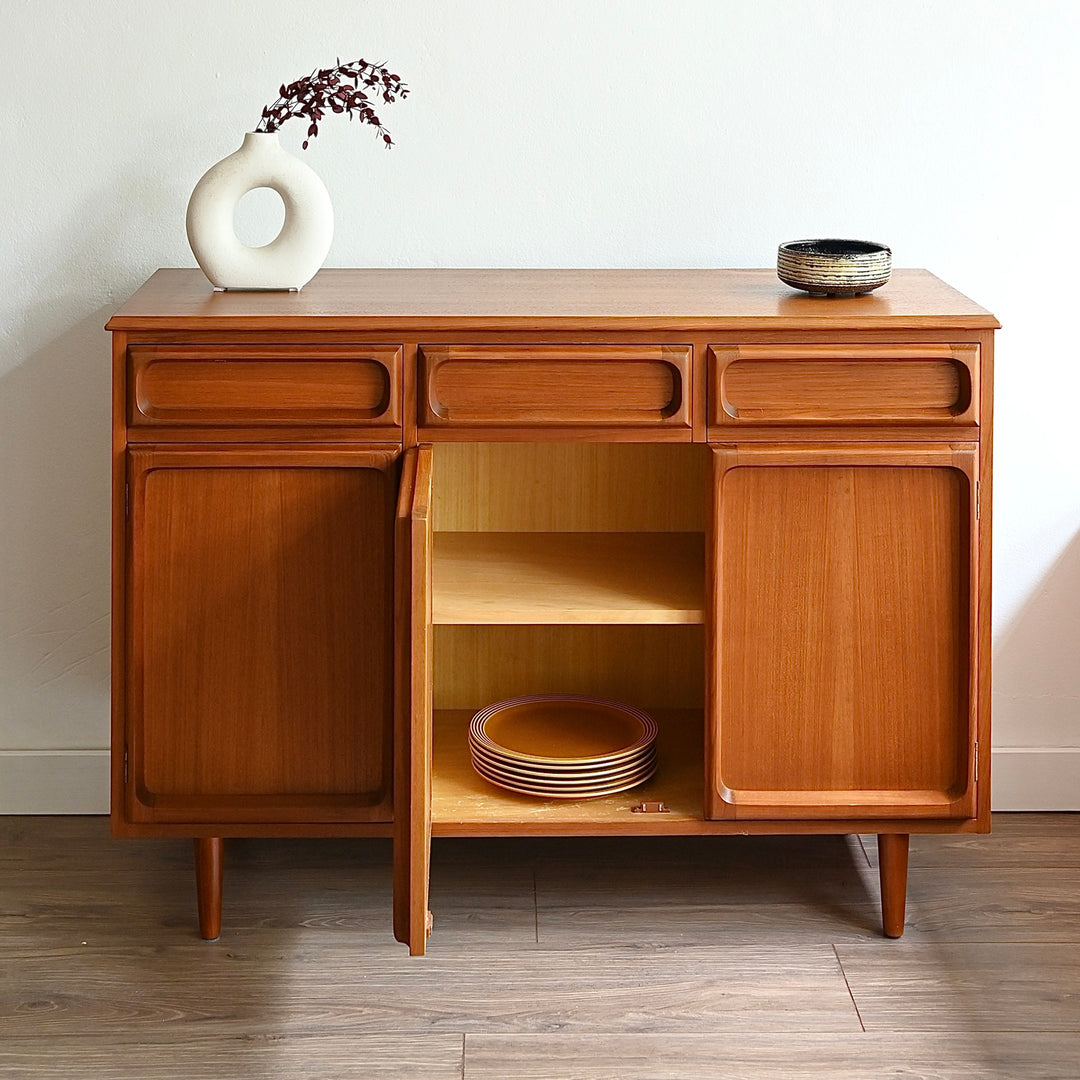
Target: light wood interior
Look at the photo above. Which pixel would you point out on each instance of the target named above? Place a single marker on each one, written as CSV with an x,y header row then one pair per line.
x,y
562,578
462,801
569,487
567,568
647,666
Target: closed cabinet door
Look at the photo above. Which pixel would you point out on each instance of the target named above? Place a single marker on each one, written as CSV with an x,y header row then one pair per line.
x,y
260,635
843,630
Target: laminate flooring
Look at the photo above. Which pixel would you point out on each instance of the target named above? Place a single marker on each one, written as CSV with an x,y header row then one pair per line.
x,y
726,958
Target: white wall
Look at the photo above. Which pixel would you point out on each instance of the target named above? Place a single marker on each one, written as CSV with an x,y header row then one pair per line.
x,y
538,133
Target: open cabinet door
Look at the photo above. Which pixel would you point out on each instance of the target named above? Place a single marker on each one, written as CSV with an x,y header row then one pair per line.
x,y
412,737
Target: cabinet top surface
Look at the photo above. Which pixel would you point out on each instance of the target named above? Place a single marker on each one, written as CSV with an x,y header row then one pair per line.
x,y
432,299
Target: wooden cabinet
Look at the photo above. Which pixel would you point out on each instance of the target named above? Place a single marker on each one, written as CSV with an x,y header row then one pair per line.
x,y
346,519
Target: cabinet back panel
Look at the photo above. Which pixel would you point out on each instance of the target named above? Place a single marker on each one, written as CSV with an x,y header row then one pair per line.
x,y
844,629
264,636
647,666
570,487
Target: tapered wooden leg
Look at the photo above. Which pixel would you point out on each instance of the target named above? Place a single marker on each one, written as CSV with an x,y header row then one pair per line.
x,y
209,860
892,867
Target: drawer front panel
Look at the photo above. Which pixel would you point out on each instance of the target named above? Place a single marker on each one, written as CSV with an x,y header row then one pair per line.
x,y
243,385
837,384
603,386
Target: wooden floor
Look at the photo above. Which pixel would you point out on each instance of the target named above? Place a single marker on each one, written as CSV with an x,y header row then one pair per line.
x,y
729,958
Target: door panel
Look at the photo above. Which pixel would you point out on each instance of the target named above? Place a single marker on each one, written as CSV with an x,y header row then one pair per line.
x,y
261,623
844,629
412,777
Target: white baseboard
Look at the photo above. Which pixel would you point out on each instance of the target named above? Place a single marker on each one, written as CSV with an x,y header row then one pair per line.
x,y
54,781
77,781
1036,778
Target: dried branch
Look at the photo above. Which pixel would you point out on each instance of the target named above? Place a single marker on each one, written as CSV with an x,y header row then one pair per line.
x,y
348,88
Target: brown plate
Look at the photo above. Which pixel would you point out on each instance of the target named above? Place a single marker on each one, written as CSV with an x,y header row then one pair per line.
x,y
586,791
566,729
577,775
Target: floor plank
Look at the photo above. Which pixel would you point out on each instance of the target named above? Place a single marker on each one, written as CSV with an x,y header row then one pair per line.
x,y
318,1056
579,958
986,987
989,904
708,890
267,981
781,1056
1015,840
344,885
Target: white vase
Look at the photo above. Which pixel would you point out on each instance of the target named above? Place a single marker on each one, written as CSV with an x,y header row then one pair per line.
x,y
291,259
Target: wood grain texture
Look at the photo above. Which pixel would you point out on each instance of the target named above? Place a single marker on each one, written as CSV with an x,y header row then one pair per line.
x,y
529,388
984,639
568,578
569,487
463,803
846,623
1017,841
254,986
306,984
227,385
701,890
778,1056
118,630
209,871
435,299
328,886
1001,986
843,384
893,871
260,636
413,680
299,1056
574,356
651,666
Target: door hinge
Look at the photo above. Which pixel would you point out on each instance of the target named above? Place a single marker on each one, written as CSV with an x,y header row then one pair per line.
x,y
978,500
976,757
125,765
649,808
127,500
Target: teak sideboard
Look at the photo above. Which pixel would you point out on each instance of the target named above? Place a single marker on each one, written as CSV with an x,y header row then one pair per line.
x,y
345,519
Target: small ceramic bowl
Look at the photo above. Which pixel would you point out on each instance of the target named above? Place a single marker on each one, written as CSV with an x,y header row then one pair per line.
x,y
834,267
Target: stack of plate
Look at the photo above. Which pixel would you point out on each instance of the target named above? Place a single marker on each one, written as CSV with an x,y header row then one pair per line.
x,y
563,746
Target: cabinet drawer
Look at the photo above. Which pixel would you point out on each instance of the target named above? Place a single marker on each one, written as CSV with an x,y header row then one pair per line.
x,y
256,385
555,386
843,384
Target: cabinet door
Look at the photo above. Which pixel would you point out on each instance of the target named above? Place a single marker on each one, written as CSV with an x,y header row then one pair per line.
x,y
844,615
260,640
412,801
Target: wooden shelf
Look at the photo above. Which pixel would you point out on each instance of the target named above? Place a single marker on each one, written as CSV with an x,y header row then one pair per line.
x,y
464,804
568,578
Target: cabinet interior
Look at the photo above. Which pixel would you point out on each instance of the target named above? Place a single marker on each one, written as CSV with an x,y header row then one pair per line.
x,y
568,568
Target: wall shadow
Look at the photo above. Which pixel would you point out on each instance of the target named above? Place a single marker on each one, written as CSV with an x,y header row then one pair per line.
x,y
1037,662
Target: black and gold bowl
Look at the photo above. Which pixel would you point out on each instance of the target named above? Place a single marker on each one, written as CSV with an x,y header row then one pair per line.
x,y
834,267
